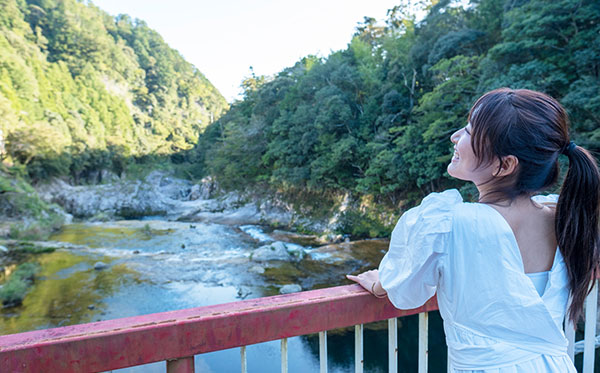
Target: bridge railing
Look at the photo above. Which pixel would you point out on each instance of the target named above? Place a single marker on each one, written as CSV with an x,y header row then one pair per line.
x,y
176,336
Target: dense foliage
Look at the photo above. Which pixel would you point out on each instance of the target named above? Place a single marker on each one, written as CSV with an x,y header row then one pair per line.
x,y
82,91
375,119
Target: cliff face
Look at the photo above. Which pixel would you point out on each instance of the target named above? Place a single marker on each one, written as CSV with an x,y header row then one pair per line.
x,y
82,91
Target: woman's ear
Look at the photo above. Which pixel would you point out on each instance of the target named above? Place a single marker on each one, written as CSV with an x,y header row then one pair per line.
x,y
507,166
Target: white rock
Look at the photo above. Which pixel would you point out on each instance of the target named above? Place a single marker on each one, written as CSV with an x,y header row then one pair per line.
x,y
257,269
290,288
273,251
100,265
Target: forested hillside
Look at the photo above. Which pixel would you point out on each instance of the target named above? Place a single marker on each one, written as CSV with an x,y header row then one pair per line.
x,y
374,120
82,91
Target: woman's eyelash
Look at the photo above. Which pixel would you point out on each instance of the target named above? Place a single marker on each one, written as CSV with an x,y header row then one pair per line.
x,y
467,131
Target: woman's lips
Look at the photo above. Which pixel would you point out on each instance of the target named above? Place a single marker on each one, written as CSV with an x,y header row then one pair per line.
x,y
455,156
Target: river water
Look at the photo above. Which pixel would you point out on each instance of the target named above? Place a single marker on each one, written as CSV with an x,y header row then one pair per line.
x,y
157,266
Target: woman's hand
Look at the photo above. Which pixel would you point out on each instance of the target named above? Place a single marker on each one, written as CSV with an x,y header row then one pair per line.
x,y
370,281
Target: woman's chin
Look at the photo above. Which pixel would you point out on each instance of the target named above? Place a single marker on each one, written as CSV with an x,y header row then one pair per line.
x,y
451,170
455,173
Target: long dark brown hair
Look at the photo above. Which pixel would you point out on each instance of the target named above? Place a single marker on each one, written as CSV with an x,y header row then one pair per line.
x,y
534,127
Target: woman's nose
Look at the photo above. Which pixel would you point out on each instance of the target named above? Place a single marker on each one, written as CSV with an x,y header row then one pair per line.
x,y
455,137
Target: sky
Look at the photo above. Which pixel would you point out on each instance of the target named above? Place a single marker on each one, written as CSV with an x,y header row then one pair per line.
x,y
224,38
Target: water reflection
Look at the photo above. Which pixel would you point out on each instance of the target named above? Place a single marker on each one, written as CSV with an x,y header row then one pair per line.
x,y
68,291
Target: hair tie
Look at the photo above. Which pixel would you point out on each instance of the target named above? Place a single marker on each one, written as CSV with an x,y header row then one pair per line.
x,y
568,149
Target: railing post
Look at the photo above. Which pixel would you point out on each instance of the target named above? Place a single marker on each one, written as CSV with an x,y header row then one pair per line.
x,y
243,359
591,305
393,345
423,345
570,334
182,365
359,361
323,351
284,355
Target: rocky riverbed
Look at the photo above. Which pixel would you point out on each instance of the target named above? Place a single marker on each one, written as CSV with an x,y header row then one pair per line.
x,y
161,194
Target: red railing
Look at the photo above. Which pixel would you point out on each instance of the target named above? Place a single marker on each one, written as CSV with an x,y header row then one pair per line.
x,y
177,336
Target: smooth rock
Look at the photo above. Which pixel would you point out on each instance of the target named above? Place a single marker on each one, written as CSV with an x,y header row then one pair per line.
x,y
3,249
290,288
100,265
257,269
274,251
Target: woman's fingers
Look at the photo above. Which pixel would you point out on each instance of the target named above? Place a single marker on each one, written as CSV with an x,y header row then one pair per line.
x,y
368,275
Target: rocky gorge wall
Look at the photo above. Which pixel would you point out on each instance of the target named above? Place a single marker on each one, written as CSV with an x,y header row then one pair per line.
x,y
162,194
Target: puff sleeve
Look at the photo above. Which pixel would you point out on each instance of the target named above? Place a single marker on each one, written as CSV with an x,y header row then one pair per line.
x,y
550,199
409,271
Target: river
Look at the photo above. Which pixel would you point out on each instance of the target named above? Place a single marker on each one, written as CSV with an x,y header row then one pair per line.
x,y
156,266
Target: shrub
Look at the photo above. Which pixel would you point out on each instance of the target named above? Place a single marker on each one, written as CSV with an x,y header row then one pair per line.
x,y
14,290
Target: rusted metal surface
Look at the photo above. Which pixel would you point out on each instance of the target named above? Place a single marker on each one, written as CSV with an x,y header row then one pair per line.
x,y
113,344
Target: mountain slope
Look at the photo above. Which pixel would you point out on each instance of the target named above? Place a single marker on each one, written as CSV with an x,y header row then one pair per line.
x,y
81,90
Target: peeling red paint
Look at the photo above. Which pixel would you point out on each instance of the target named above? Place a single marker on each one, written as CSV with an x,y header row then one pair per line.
x,y
119,343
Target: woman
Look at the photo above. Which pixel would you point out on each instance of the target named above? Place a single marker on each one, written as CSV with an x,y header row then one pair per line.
x,y
502,284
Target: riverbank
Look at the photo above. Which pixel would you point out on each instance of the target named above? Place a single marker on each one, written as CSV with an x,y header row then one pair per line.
x,y
161,194
23,214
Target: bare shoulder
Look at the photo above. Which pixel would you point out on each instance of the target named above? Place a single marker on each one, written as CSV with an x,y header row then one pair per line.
x,y
547,210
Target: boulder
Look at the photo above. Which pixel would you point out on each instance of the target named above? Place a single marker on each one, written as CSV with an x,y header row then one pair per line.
x,y
257,269
100,265
273,251
290,288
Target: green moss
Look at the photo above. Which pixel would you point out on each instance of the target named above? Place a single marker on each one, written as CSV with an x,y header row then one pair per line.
x,y
13,291
27,248
286,273
100,235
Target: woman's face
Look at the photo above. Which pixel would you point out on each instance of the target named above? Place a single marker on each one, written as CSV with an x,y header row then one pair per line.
x,y
464,163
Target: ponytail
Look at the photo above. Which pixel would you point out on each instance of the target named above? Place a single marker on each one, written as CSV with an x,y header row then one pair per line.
x,y
576,225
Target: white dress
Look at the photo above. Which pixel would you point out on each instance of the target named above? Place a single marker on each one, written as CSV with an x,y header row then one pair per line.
x,y
494,319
